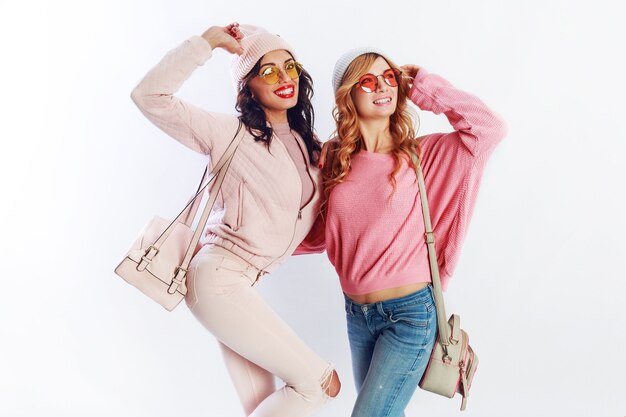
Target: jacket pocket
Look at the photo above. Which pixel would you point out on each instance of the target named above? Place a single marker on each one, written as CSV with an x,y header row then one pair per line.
x,y
240,196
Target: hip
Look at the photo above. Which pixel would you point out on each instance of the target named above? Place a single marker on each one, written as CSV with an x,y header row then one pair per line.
x,y
387,293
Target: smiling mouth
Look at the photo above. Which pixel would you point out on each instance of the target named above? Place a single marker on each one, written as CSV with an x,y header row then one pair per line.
x,y
285,92
382,101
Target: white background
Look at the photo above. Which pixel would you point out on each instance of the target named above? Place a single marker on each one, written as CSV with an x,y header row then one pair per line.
x,y
540,284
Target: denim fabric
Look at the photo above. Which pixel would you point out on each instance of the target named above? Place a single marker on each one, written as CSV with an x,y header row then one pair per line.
x,y
390,343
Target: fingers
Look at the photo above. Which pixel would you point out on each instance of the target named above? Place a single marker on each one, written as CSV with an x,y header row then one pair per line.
x,y
410,70
234,31
322,159
320,162
232,26
406,69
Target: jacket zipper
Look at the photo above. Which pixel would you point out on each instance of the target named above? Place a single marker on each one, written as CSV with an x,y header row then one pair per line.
x,y
299,216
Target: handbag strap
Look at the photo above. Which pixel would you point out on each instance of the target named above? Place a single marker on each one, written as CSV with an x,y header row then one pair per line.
x,y
191,214
218,174
208,207
442,324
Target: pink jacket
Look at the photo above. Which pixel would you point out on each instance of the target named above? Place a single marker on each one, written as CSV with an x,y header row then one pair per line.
x,y
257,215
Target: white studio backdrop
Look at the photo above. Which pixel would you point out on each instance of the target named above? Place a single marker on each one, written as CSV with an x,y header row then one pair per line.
x,y
540,284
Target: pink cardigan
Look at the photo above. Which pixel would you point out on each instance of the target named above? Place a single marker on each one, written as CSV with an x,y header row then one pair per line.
x,y
376,242
258,215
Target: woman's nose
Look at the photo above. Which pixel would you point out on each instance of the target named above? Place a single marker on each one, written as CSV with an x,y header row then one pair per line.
x,y
283,76
381,85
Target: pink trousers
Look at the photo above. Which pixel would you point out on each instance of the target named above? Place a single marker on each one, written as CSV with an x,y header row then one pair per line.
x,y
256,343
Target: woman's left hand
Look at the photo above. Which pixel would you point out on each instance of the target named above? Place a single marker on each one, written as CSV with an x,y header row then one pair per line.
x,y
410,71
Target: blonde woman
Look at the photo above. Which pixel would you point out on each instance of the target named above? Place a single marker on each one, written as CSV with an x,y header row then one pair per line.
x,y
372,225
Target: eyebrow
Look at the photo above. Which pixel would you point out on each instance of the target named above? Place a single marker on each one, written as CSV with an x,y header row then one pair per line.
x,y
271,63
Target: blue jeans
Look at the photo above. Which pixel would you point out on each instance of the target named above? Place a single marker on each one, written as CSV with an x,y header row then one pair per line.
x,y
390,343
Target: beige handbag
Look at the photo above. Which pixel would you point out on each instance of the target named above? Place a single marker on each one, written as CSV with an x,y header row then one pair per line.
x,y
452,363
158,260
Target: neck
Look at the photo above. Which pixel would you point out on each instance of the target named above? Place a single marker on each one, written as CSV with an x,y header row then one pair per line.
x,y
276,116
376,135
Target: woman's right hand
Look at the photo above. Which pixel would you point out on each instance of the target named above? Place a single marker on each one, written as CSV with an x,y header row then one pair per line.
x,y
227,38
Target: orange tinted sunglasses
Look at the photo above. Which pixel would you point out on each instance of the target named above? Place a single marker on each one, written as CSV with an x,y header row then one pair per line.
x,y
369,82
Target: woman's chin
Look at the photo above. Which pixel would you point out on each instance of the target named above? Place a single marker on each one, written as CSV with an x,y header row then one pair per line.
x,y
283,103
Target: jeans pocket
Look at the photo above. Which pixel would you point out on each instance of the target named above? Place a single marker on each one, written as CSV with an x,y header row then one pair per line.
x,y
191,298
230,265
415,315
201,266
213,274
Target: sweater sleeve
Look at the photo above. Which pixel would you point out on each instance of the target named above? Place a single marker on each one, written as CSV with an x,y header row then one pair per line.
x,y
315,241
453,163
477,128
154,95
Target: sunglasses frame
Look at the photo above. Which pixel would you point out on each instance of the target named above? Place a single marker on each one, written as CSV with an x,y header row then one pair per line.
x,y
398,75
265,77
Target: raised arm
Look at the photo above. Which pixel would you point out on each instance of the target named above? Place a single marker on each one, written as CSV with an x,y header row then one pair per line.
x,y
477,127
155,96
453,163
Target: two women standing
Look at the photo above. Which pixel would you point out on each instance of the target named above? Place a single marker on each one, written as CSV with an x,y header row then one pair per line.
x,y
273,203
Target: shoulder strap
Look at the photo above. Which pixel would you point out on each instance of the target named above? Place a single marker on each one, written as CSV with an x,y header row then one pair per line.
x,y
432,255
218,174
195,201
221,168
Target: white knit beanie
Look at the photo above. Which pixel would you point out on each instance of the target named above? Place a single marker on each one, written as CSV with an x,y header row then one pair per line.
x,y
346,59
255,43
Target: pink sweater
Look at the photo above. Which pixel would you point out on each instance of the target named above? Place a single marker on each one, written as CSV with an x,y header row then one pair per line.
x,y
376,242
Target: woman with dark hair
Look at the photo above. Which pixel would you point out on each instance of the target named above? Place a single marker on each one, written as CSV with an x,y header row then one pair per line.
x,y
267,204
380,254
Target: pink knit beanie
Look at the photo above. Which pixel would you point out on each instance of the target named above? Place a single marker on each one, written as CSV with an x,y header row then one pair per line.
x,y
255,43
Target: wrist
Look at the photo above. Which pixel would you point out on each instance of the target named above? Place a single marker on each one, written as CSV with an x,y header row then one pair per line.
x,y
211,38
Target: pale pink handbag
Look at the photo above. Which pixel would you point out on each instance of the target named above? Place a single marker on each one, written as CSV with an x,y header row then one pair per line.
x,y
452,363
158,260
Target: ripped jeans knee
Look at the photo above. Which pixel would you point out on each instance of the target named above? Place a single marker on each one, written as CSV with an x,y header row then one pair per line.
x,y
330,383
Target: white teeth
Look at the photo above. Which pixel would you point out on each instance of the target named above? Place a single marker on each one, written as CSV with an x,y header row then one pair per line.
x,y
285,92
382,100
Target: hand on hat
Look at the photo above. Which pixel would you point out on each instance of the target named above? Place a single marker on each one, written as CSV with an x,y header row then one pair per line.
x,y
410,71
234,31
227,38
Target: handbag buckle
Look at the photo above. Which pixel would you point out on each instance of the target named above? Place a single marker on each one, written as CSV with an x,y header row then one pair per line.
x,y
430,237
145,260
176,282
176,271
148,251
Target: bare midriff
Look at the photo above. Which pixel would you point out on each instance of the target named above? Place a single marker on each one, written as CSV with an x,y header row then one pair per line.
x,y
387,293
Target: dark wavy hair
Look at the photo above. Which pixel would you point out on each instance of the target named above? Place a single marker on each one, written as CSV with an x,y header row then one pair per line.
x,y
300,117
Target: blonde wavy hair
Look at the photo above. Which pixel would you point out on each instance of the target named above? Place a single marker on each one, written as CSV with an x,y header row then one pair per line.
x,y
348,140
